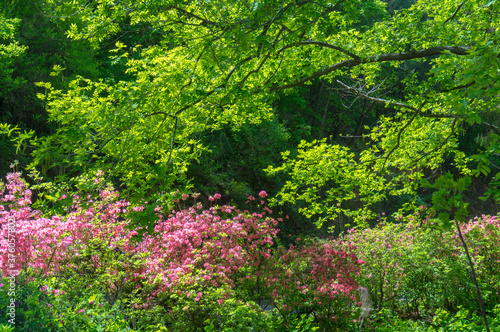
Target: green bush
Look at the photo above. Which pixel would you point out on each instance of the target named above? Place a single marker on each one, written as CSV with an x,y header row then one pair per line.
x,y
52,305
416,270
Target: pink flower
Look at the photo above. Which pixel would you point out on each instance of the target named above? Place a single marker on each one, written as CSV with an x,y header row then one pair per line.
x,y
196,299
220,301
217,196
262,194
211,199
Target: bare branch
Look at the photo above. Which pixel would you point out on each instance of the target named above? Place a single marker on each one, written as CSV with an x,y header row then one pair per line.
x,y
425,115
359,93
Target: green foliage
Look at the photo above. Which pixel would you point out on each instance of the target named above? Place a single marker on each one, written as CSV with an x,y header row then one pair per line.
x,y
53,304
234,160
203,69
414,269
9,50
448,198
31,311
443,321
164,94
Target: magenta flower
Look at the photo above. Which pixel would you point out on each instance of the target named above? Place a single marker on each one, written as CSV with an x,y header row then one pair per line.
x,y
262,194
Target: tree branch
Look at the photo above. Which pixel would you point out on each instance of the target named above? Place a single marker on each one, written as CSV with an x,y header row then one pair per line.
x,y
455,13
189,14
425,115
256,70
312,42
172,142
398,142
379,100
442,143
458,50
464,86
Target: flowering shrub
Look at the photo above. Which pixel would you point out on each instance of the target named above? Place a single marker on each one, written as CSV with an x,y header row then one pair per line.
x,y
314,277
483,238
190,270
208,247
414,268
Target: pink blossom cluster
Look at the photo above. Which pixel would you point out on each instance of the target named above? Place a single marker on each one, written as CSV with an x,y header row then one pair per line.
x,y
208,247
191,248
47,244
314,273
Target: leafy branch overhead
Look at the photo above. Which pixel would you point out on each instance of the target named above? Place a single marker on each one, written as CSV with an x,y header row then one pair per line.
x,y
217,63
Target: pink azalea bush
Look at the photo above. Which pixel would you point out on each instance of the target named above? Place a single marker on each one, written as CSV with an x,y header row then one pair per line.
x,y
209,246
315,277
193,264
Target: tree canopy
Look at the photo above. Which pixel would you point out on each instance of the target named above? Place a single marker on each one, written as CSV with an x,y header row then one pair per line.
x,y
180,71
